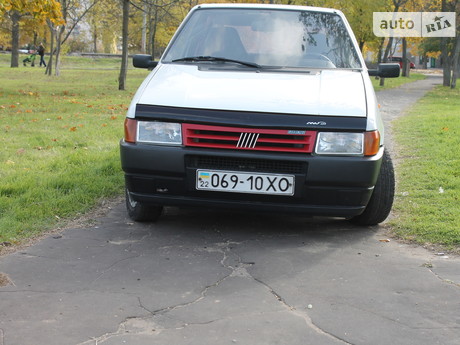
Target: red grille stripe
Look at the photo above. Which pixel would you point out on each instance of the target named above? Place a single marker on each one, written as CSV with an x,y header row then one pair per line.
x,y
279,140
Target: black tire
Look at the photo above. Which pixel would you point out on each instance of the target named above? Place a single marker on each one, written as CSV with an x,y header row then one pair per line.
x,y
379,206
141,212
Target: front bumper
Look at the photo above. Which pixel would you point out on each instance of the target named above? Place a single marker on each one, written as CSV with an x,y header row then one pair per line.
x,y
324,186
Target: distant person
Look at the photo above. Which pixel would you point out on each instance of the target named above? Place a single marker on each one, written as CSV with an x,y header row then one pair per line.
x,y
41,52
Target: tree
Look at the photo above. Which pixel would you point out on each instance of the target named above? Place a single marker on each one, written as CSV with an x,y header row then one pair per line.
x,y
447,47
124,57
104,22
161,20
18,10
450,47
72,13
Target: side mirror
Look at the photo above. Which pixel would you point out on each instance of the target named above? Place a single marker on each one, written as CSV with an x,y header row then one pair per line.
x,y
144,61
386,70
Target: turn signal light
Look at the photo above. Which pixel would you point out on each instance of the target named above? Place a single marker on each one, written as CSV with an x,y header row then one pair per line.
x,y
130,130
371,143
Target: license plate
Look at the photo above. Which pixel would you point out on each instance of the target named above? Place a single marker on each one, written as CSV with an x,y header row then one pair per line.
x,y
242,182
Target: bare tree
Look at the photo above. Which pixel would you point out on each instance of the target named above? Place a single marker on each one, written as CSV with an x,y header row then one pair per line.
x,y
72,14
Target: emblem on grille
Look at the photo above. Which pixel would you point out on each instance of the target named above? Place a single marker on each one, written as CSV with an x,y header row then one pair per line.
x,y
247,140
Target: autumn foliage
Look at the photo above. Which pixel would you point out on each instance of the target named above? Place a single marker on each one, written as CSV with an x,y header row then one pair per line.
x,y
42,9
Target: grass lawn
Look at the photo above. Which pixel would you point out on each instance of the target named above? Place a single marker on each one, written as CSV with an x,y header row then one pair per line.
x,y
395,82
428,193
59,140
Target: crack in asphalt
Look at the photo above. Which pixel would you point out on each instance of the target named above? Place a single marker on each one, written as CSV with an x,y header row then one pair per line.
x,y
446,281
240,270
132,325
112,266
146,325
302,314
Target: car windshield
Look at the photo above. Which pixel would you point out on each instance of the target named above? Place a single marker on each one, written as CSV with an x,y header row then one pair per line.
x,y
264,38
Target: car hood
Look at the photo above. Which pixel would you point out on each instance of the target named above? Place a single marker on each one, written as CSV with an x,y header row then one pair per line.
x,y
326,92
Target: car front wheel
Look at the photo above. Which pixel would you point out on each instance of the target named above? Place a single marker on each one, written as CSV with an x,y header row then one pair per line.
x,y
379,206
141,212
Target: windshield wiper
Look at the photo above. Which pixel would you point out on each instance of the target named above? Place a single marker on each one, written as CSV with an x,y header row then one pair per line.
x,y
216,59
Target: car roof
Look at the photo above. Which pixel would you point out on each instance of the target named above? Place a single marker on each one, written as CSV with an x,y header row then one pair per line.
x,y
271,6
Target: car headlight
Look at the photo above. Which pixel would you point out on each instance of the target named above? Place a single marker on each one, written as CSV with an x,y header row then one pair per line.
x,y
162,133
340,143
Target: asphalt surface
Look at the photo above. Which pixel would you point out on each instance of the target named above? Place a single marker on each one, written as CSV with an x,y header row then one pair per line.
x,y
216,277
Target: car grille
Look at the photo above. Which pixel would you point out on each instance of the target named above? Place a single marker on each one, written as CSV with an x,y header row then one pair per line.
x,y
274,140
246,164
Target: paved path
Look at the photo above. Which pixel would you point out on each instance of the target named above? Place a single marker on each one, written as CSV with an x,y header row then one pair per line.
x,y
214,277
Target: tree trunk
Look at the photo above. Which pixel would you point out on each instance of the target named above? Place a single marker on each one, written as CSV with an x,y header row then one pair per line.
x,y
15,17
124,56
49,66
154,32
57,63
95,39
144,29
455,63
405,64
385,57
379,57
446,63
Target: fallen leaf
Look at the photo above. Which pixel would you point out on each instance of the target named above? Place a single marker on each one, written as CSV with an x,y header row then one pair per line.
x,y
73,129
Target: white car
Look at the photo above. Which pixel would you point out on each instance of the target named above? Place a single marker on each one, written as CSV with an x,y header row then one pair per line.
x,y
259,107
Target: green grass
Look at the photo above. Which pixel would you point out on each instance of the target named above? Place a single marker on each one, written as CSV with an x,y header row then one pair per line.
x,y
395,82
69,62
59,144
428,192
